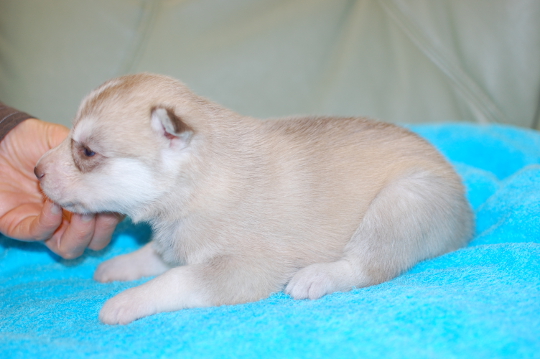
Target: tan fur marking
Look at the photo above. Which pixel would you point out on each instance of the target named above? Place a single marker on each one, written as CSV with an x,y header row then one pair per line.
x,y
83,162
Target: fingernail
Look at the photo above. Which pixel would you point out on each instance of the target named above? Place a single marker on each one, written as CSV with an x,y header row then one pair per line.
x,y
87,217
56,209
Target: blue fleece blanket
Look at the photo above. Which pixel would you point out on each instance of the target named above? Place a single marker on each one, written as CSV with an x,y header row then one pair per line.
x,y
482,301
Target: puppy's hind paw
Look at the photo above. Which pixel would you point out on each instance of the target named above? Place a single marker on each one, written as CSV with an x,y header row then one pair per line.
x,y
316,280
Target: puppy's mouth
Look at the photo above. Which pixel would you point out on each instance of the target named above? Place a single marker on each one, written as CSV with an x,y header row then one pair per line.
x,y
74,207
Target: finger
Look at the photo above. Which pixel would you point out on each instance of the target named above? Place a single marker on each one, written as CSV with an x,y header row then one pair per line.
x,y
72,242
44,225
105,225
53,243
57,133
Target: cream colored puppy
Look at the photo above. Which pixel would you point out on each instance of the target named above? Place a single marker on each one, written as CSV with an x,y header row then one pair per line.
x,y
242,208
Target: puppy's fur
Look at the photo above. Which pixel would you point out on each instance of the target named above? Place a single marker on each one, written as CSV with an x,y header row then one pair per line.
x,y
242,208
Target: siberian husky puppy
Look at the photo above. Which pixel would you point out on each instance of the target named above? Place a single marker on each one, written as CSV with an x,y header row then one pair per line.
x,y
242,208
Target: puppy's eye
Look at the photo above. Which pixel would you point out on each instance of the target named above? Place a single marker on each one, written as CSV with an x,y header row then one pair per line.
x,y
88,152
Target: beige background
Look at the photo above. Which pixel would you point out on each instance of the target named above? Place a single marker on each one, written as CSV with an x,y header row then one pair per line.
x,y
403,61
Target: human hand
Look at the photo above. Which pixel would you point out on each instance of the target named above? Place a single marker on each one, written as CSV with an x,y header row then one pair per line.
x,y
25,214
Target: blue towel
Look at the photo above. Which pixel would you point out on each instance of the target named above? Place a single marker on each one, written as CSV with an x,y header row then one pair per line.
x,y
482,301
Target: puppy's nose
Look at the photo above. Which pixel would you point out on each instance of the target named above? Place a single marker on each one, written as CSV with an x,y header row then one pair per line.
x,y
39,173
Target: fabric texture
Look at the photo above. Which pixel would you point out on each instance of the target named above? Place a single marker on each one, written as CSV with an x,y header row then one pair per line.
x,y
482,301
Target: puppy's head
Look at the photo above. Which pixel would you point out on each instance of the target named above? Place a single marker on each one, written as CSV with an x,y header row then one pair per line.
x,y
132,142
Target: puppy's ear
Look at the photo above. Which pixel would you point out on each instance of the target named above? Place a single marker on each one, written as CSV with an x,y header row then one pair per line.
x,y
166,123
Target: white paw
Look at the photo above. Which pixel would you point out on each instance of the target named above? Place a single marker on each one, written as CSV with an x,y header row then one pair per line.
x,y
117,269
319,279
126,307
311,282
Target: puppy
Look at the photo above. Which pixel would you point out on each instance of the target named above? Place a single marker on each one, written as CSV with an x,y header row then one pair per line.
x,y
242,208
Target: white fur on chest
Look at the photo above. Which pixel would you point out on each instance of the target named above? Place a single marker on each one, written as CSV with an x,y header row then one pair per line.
x,y
177,245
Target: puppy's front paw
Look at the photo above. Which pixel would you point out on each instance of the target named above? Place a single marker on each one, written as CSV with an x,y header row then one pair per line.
x,y
117,269
317,280
126,307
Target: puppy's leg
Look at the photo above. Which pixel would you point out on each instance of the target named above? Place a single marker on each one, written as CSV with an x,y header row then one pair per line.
x,y
175,289
223,280
319,279
413,218
144,262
